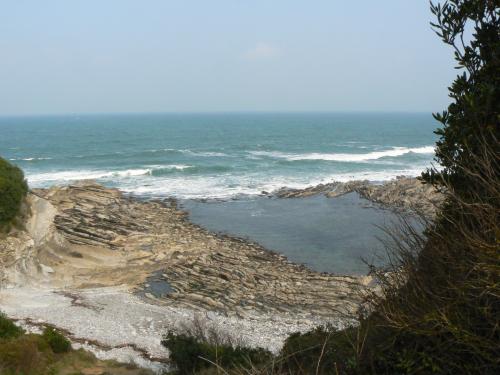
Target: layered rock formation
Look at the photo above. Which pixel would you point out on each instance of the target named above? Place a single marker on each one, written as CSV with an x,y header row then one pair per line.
x,y
86,235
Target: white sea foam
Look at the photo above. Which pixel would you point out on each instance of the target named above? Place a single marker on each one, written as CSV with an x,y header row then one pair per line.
x,y
75,175
131,172
64,176
203,153
28,159
190,152
179,167
374,155
219,187
142,182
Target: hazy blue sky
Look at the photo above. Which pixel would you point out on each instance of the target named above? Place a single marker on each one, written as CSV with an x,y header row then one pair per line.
x,y
220,55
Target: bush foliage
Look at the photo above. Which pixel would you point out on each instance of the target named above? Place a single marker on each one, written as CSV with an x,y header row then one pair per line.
x,y
472,119
199,346
190,355
57,342
8,329
323,350
440,312
13,188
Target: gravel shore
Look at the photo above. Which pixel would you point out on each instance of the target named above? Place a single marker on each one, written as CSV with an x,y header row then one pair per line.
x,y
115,324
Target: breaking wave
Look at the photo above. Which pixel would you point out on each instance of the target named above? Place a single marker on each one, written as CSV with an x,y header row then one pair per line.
x,y
28,159
62,176
341,157
152,182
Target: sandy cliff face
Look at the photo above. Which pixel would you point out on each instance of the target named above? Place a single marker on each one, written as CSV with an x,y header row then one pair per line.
x,y
43,255
21,252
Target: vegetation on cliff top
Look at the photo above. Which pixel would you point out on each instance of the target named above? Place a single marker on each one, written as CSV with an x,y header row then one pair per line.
x,y
13,188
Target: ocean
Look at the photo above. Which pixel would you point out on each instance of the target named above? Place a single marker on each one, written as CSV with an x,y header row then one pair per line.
x,y
217,155
218,165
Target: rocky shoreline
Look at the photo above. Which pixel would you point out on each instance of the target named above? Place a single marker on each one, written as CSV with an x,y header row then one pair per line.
x,y
118,272
206,270
81,240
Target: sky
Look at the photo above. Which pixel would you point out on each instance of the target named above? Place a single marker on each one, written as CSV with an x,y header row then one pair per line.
x,y
106,56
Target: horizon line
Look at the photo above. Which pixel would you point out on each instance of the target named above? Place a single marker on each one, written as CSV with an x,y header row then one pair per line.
x,y
214,112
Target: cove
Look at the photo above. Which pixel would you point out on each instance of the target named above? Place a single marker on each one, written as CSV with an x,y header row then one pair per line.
x,y
326,234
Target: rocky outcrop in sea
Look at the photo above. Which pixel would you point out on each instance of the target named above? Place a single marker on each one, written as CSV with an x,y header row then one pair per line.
x,y
403,193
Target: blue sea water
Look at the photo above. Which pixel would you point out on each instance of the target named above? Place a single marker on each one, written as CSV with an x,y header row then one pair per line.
x,y
233,158
217,155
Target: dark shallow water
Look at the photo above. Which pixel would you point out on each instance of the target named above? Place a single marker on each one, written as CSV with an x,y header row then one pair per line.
x,y
326,234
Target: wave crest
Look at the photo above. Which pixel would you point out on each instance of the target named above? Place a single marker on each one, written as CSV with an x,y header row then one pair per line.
x,y
84,175
29,159
206,154
341,157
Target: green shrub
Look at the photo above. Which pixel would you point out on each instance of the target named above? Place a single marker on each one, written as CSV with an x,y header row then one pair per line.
x,y
56,340
13,188
8,329
190,354
323,350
